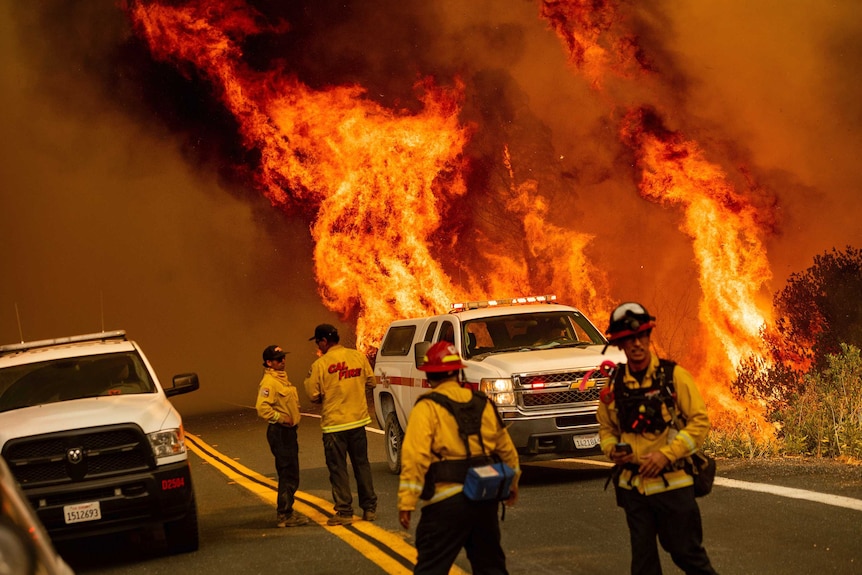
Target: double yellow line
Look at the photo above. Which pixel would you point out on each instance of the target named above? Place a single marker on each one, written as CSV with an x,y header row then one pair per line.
x,y
386,549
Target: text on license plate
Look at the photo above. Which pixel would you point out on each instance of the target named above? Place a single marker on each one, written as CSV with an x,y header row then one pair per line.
x,y
586,441
82,512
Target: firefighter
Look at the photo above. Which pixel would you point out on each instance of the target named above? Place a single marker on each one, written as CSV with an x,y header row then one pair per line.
x,y
278,403
637,431
449,520
338,379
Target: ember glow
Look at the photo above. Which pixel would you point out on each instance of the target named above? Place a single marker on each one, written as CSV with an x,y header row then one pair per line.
x,y
388,188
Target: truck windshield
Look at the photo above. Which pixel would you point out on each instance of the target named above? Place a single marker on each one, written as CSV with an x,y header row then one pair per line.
x,y
73,378
528,331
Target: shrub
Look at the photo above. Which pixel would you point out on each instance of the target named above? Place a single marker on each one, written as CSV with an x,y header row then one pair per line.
x,y
824,417
740,442
770,385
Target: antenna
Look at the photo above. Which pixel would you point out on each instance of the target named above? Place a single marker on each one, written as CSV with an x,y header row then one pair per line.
x,y
20,331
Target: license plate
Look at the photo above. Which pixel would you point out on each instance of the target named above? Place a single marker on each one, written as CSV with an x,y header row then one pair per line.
x,y
81,512
586,441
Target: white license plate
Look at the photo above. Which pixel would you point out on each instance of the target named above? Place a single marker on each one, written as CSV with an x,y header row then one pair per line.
x,y
586,441
81,512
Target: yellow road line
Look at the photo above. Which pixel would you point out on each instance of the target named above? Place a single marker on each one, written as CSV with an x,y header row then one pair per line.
x,y
309,505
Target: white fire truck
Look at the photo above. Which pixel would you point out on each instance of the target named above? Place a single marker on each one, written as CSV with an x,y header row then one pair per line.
x,y
537,359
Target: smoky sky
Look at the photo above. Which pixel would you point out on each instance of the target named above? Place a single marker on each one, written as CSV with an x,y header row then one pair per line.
x,y
127,201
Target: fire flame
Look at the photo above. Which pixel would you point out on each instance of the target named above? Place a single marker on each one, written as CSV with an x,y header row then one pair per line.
x,y
596,43
722,223
380,181
731,259
383,185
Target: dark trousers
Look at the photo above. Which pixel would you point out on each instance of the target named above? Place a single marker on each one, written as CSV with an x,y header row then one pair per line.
x,y
673,517
337,447
455,522
283,444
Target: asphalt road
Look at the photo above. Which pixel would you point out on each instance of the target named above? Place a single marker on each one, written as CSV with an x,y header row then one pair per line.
x,y
564,523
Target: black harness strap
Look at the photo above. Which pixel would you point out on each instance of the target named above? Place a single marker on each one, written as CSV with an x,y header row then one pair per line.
x,y
639,409
468,416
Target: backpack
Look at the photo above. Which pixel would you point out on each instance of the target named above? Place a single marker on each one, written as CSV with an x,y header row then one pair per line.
x,y
485,477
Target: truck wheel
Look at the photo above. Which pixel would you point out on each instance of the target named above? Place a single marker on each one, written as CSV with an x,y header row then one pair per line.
x,y
182,535
394,436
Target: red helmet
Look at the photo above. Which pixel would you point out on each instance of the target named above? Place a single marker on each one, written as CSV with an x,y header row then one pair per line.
x,y
627,320
442,356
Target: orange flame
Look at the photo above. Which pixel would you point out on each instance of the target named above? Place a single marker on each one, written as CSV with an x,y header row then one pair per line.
x,y
723,227
551,243
723,224
593,35
382,186
380,181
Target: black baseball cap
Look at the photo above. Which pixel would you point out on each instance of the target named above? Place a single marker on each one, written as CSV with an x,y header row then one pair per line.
x,y
273,353
324,330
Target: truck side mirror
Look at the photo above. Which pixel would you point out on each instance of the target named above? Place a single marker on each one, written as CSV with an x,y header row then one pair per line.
x,y
419,351
183,383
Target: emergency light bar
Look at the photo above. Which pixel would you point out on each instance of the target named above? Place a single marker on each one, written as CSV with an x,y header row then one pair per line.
x,y
461,306
101,336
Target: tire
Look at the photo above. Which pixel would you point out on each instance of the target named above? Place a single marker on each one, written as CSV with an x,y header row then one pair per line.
x,y
394,436
181,535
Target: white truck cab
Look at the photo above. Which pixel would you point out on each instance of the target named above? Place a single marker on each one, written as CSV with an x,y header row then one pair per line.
x,y
537,359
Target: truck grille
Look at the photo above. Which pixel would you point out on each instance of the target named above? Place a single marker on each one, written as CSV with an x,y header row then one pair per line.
x,y
78,455
554,389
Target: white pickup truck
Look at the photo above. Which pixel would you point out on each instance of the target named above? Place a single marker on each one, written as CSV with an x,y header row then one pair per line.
x,y
535,358
89,433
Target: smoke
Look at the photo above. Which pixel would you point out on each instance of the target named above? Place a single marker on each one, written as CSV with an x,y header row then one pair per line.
x,y
107,223
774,86
126,195
768,90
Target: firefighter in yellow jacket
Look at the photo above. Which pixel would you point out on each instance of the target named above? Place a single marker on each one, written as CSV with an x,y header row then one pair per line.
x,y
449,520
338,380
278,404
636,427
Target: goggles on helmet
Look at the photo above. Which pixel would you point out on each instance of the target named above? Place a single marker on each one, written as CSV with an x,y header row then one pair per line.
x,y
627,320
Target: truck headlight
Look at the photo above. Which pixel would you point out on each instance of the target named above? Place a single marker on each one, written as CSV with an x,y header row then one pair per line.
x,y
167,442
500,390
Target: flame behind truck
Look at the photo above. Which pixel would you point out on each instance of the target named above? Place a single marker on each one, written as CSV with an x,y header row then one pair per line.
x,y
529,355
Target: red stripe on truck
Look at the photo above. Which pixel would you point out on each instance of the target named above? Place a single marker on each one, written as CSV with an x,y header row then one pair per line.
x,y
406,381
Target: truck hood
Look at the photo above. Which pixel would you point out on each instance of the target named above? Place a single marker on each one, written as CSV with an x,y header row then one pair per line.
x,y
554,359
149,410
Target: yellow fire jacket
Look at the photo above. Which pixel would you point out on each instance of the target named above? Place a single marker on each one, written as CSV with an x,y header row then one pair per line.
x,y
432,435
277,399
673,444
339,378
